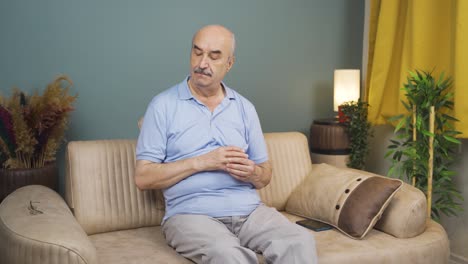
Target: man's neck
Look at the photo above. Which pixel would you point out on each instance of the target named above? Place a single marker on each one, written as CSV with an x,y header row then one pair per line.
x,y
206,92
210,97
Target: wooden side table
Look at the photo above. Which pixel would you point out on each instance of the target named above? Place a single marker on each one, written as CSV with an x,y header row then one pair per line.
x,y
329,142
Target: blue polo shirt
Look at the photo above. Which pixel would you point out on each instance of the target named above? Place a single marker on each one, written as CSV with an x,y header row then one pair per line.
x,y
177,126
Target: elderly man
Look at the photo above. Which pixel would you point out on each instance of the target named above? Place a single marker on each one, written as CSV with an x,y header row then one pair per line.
x,y
202,144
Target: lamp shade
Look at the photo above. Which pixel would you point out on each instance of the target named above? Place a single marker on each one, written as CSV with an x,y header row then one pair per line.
x,y
346,87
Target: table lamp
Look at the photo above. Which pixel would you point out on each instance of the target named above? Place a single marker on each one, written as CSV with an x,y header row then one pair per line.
x,y
346,88
329,142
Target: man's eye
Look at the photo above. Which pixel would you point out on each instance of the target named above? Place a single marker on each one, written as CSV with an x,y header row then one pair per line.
x,y
215,56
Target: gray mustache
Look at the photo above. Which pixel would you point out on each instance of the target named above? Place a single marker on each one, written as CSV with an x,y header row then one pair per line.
x,y
200,70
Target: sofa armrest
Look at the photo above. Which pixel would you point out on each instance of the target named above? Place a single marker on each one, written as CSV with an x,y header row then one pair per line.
x,y
36,226
405,216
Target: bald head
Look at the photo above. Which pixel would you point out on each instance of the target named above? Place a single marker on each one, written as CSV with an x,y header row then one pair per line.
x,y
219,31
211,58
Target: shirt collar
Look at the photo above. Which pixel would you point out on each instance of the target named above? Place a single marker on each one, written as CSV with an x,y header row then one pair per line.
x,y
186,94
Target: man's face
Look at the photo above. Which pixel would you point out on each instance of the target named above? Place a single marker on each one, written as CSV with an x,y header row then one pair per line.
x,y
211,57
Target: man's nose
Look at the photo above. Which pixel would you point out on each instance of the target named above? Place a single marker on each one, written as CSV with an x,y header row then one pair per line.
x,y
204,62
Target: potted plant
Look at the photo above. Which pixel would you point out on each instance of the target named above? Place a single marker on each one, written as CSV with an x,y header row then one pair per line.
x,y
425,143
358,129
31,131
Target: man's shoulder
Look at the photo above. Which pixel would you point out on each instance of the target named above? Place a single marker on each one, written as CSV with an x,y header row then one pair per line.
x,y
166,97
241,99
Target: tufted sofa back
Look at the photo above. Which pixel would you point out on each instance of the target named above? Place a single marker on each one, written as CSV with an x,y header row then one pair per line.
x,y
103,196
101,191
289,155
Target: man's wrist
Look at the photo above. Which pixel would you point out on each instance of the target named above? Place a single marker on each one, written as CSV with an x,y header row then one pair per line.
x,y
196,164
257,175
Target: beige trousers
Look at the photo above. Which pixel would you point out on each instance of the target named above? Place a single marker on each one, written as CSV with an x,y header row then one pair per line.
x,y
236,239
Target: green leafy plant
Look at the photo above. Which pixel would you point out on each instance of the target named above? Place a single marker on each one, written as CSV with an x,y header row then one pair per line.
x,y
32,127
421,155
359,130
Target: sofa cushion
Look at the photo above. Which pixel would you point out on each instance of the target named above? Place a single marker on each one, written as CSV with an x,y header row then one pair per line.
x,y
347,199
333,247
147,246
144,245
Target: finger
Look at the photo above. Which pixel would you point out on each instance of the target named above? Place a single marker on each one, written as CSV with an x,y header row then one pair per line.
x,y
235,160
234,148
238,169
236,154
248,164
239,175
230,160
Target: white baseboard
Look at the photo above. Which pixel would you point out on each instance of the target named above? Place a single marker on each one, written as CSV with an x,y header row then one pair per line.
x,y
457,259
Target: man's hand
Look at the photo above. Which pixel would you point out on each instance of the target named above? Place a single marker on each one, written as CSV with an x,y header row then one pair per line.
x,y
237,163
242,169
219,158
246,170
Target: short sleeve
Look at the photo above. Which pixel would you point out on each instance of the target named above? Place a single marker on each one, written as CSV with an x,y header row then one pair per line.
x,y
152,140
257,149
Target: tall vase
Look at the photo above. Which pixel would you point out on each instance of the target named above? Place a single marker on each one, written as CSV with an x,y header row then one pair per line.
x,y
12,179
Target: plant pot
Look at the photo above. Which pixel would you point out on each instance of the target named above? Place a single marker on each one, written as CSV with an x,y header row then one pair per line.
x,y
12,179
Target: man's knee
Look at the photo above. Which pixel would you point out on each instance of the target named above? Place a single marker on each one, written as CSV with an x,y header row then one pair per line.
x,y
306,239
296,248
301,242
297,243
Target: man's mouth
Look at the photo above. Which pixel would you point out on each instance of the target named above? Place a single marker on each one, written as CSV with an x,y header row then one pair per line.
x,y
201,71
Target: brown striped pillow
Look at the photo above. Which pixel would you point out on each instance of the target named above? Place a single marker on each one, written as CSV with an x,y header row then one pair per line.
x,y
344,198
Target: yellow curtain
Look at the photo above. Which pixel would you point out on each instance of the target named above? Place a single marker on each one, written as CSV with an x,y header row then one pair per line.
x,y
404,35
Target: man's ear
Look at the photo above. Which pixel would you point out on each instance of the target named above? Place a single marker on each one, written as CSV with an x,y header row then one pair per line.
x,y
231,61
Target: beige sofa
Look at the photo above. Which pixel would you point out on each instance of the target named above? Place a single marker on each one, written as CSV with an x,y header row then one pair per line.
x,y
111,221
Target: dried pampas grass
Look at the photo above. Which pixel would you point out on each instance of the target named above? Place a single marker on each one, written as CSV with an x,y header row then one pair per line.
x,y
32,127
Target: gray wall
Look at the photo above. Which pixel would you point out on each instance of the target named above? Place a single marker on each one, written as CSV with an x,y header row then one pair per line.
x,y
121,53
457,227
